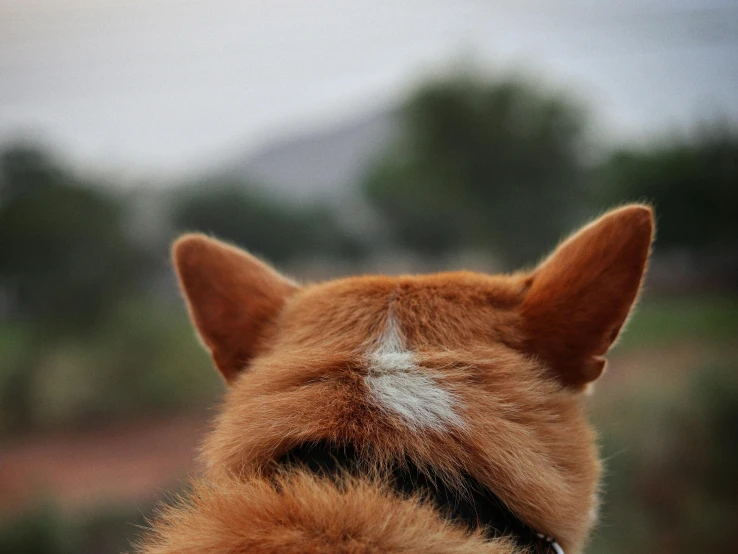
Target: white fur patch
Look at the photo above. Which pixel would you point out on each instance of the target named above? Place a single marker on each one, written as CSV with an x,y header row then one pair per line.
x,y
398,384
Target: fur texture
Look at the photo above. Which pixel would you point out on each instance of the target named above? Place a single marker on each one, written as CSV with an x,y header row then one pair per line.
x,y
461,372
309,516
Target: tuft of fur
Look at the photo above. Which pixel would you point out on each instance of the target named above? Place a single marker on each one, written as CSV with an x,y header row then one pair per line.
x,y
307,515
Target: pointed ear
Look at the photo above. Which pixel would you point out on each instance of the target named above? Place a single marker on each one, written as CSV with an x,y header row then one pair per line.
x,y
233,298
579,298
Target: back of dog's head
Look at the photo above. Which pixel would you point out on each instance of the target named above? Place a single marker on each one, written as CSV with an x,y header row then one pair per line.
x,y
462,372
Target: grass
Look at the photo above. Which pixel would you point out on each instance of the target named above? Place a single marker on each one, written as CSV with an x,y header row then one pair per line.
x,y
659,321
144,359
47,529
670,454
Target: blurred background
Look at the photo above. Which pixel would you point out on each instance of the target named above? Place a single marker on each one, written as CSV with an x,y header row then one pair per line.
x,y
336,138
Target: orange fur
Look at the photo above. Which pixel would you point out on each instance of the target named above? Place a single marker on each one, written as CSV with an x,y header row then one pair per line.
x,y
310,516
590,283
514,351
232,298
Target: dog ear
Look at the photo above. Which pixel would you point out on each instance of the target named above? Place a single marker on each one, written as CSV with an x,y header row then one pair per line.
x,y
580,296
232,297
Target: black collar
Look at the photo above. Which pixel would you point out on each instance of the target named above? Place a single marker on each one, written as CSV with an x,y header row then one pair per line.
x,y
479,506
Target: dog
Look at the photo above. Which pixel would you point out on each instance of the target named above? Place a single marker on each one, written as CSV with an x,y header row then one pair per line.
x,y
432,413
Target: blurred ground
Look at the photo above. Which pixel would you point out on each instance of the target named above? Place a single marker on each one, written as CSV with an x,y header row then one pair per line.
x,y
128,463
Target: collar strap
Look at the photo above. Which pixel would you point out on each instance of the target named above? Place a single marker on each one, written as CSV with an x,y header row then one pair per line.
x,y
478,506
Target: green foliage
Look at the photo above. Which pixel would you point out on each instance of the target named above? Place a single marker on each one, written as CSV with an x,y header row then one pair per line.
x,y
47,529
491,165
693,185
41,531
18,349
659,321
63,250
232,211
497,166
142,358
671,457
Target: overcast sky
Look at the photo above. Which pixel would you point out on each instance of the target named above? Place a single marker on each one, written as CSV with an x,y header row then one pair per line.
x,y
171,85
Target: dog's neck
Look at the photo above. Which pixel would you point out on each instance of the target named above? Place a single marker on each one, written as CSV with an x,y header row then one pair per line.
x,y
476,507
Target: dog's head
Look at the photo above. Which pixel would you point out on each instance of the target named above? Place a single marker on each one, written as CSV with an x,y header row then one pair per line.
x,y
461,372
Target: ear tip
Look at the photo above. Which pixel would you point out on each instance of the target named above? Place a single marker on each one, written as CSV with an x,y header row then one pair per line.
x,y
187,245
189,242
637,220
638,214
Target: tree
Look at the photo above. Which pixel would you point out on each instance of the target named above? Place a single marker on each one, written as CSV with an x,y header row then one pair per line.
x,y
64,253
693,184
280,232
482,164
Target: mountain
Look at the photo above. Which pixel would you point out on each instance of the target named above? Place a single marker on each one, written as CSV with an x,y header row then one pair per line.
x,y
322,162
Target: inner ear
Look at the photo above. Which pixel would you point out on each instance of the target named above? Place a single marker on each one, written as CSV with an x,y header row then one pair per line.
x,y
233,298
580,297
